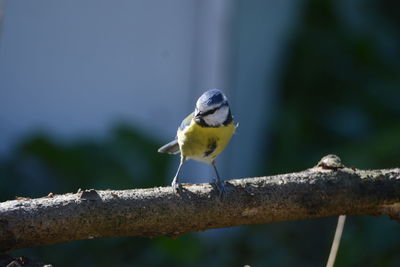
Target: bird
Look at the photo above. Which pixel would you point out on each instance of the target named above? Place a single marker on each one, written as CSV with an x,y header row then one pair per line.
x,y
203,134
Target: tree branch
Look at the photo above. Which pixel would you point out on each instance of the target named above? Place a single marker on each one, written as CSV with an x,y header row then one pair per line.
x,y
317,192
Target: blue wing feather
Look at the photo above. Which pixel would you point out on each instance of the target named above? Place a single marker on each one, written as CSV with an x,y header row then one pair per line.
x,y
186,121
173,146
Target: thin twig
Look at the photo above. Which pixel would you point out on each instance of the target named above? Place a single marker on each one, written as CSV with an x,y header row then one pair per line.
x,y
336,241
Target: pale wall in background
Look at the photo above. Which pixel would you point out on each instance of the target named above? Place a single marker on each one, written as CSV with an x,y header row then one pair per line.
x,y
74,68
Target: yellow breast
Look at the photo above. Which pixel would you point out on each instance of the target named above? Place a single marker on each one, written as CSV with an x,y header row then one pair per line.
x,y
204,143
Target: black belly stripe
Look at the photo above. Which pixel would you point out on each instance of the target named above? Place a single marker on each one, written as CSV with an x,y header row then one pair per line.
x,y
212,145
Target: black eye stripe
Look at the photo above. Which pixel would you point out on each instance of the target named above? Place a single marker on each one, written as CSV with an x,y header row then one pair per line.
x,y
212,111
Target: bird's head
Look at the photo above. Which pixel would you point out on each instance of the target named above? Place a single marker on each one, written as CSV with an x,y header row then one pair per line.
x,y
212,109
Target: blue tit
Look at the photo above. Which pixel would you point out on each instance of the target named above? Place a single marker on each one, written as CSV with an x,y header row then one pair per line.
x,y
204,134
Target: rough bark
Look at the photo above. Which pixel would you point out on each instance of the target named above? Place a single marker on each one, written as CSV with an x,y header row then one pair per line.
x,y
317,192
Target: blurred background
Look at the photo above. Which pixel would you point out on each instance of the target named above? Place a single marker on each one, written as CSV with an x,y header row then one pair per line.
x,y
90,89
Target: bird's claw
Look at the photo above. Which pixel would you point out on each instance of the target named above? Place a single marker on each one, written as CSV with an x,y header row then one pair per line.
x,y
221,188
176,186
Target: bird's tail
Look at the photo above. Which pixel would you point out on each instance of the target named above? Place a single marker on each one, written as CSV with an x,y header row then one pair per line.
x,y
170,148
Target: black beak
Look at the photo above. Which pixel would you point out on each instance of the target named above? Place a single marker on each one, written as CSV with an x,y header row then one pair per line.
x,y
198,118
198,115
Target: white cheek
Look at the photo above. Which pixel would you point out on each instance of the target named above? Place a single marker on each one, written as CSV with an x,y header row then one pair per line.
x,y
218,117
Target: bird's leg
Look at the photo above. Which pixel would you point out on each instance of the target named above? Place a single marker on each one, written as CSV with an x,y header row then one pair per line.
x,y
218,182
175,183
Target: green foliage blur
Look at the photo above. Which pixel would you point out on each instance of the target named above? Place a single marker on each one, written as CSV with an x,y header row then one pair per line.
x,y
41,164
339,94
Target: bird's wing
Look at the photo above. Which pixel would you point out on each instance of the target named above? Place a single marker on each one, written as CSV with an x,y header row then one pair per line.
x,y
186,121
173,146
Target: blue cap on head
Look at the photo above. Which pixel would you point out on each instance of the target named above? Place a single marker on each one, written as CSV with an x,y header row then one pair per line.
x,y
212,97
